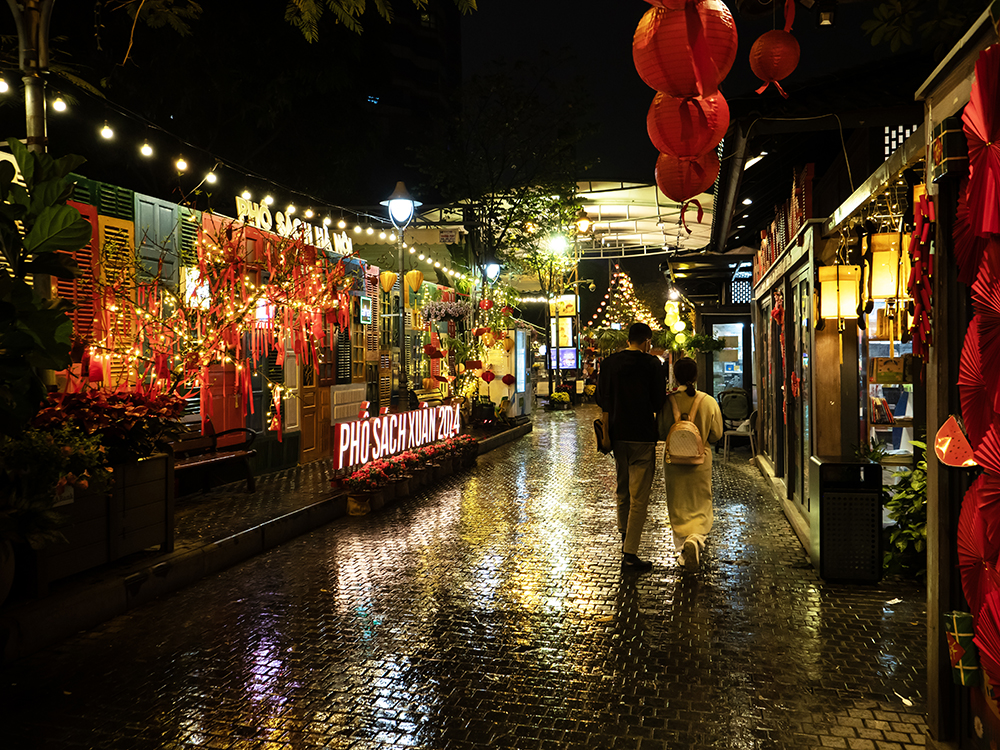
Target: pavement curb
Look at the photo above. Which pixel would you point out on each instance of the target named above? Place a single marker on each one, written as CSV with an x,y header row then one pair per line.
x,y
30,626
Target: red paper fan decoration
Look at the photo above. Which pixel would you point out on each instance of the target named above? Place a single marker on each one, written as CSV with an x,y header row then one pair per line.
x,y
982,130
988,452
989,505
951,446
489,376
977,406
969,247
987,636
685,52
773,57
682,179
687,128
977,554
986,288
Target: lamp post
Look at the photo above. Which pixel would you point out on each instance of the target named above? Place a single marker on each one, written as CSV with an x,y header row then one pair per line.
x,y
401,208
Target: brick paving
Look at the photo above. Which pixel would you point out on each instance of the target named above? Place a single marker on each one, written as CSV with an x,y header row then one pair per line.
x,y
492,611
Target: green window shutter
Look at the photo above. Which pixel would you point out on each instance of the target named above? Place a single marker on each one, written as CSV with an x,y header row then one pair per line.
x,y
115,201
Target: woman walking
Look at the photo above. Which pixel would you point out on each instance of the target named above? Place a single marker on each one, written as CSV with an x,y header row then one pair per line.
x,y
689,485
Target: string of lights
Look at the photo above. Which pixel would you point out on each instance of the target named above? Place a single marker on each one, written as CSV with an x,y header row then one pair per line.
x,y
620,307
183,165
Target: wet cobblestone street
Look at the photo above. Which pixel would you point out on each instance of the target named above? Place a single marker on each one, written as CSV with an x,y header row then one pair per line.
x,y
491,610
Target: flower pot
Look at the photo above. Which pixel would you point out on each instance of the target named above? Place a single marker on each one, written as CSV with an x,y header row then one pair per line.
x,y
358,503
377,501
388,492
442,469
403,487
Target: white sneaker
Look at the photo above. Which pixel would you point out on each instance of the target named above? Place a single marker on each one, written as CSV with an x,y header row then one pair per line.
x,y
689,556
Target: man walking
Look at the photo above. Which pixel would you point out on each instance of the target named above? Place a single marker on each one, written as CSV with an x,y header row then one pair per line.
x,y
631,388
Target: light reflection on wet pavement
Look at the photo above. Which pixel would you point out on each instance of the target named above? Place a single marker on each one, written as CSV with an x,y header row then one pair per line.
x,y
491,610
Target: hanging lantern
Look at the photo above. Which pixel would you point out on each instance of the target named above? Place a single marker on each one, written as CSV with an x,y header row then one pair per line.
x,y
687,128
485,304
387,279
890,267
414,279
839,291
489,376
683,179
508,344
677,326
508,380
685,51
773,57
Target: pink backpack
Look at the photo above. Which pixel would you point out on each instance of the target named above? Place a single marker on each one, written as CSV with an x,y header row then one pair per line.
x,y
684,442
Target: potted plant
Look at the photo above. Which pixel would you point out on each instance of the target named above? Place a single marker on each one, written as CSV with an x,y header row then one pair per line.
x,y
906,503
559,400
364,490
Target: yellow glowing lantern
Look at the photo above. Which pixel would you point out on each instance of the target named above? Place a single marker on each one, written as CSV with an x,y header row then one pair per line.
x,y
680,338
890,267
387,279
508,344
839,291
677,326
414,279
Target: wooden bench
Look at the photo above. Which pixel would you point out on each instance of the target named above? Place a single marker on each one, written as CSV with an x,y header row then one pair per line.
x,y
194,451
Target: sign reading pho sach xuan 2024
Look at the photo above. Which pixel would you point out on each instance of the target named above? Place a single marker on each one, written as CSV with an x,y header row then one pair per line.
x,y
368,438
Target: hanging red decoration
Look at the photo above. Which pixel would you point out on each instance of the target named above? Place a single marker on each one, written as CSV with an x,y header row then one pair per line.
x,y
685,51
687,128
485,304
921,274
489,376
474,364
773,57
682,179
508,379
951,446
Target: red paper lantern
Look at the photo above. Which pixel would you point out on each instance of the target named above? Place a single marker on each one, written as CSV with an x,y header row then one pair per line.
x,y
687,127
508,379
773,57
485,304
674,48
488,376
683,179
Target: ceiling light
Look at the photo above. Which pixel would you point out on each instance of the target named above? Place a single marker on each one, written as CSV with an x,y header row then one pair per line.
x,y
747,201
754,160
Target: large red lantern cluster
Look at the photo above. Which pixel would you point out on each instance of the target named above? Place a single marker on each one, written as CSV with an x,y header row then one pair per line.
x,y
683,49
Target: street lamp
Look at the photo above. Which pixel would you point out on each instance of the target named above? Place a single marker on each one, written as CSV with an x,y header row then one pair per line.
x,y
401,208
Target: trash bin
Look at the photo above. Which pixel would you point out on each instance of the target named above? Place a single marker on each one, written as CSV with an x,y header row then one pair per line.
x,y
845,519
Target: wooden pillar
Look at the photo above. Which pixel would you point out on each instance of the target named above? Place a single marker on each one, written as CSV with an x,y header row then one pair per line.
x,y
945,486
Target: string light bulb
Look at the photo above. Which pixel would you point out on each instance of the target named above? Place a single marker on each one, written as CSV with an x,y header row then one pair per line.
x,y
181,164
58,104
327,221
341,224
309,213
146,149
106,132
211,178
268,200
4,88
246,195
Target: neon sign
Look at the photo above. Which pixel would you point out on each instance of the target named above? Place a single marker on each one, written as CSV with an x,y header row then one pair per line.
x,y
371,438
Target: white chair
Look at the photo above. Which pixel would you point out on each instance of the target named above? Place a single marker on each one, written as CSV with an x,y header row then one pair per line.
x,y
751,435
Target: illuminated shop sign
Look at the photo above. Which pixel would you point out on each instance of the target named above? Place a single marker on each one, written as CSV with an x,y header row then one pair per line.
x,y
371,438
259,215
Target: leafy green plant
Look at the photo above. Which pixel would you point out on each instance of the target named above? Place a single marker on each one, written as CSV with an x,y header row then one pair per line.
x,y
38,235
906,552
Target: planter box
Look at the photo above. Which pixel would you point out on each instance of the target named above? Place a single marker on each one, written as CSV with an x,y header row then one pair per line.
x,y
102,526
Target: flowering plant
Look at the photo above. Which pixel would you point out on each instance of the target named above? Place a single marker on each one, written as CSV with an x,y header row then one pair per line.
x,y
589,390
439,310
408,460
130,424
560,396
564,388
367,478
431,452
36,468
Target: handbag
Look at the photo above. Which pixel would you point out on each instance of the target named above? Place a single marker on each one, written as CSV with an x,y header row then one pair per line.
x,y
602,435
